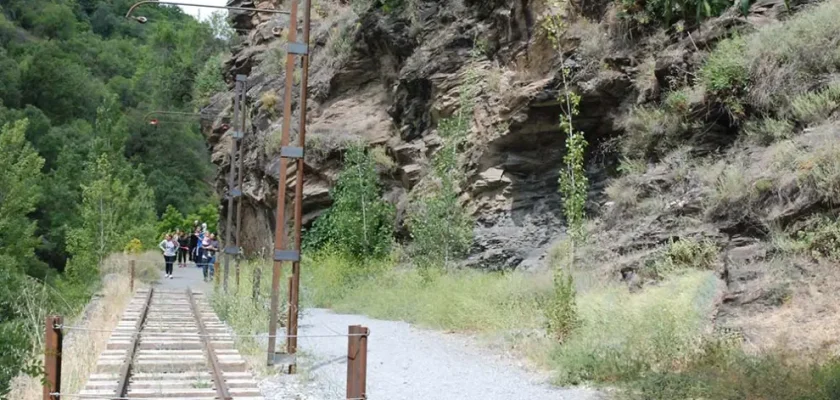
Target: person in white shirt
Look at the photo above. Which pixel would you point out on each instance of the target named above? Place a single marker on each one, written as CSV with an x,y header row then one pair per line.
x,y
170,248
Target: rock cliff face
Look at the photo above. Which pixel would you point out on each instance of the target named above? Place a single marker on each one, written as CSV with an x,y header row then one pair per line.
x,y
659,175
387,79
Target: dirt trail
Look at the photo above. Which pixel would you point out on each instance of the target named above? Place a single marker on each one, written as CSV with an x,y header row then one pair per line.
x,y
408,363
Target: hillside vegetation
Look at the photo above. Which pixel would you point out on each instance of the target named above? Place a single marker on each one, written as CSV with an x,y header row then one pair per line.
x,y
84,174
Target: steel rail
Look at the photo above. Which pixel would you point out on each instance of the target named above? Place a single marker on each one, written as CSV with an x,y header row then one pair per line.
x,y
178,3
125,369
218,378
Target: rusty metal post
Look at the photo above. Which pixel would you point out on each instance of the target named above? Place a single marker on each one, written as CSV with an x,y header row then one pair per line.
x,y
294,293
280,252
240,174
131,275
256,284
216,275
53,340
357,362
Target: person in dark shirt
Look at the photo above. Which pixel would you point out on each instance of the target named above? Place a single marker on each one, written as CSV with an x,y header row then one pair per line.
x,y
183,248
193,245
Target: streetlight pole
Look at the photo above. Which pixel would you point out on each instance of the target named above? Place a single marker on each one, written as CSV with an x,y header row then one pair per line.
x,y
287,152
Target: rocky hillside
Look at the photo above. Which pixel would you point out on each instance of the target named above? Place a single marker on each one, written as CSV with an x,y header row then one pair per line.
x,y
704,151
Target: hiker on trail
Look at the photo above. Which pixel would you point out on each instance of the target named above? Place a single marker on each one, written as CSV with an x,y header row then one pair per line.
x,y
199,251
210,246
194,243
183,248
169,247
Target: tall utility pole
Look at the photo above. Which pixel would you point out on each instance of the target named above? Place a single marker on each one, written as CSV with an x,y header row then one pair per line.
x,y
233,191
287,152
241,169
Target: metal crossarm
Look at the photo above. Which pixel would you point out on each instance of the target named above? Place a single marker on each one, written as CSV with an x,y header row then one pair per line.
x,y
286,255
291,152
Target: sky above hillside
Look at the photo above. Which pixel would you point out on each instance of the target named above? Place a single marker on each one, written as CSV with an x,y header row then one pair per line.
x,y
202,13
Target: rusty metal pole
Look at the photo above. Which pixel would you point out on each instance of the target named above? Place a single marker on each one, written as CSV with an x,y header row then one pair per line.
x,y
232,174
216,275
241,169
280,252
53,340
357,362
294,294
256,285
131,275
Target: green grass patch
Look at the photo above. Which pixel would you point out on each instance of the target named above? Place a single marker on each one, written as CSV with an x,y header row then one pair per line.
x,y
624,336
721,371
460,300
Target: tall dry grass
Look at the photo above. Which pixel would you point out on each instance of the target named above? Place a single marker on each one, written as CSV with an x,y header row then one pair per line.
x,y
82,348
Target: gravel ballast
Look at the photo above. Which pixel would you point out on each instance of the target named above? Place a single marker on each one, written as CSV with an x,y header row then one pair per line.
x,y
405,362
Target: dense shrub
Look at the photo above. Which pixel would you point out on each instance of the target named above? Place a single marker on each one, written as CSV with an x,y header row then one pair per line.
x,y
664,12
359,223
778,62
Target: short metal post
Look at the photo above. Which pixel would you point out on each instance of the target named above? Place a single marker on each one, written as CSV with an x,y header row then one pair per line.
x,y
357,362
131,275
216,275
52,356
256,289
237,275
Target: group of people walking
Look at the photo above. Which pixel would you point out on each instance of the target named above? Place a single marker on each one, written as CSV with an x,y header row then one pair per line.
x,y
199,247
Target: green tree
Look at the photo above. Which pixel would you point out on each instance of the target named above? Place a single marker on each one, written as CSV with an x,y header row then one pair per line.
x,y
116,207
170,221
9,80
207,214
440,228
209,81
19,192
561,311
359,223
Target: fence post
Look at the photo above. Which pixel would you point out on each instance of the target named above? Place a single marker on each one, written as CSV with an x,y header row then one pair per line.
x,y
237,274
52,357
131,275
216,274
357,362
256,289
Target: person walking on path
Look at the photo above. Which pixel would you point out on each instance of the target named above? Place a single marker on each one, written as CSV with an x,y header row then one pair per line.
x,y
210,246
183,248
194,243
199,248
169,248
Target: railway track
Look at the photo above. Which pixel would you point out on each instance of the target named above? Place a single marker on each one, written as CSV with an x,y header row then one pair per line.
x,y
171,345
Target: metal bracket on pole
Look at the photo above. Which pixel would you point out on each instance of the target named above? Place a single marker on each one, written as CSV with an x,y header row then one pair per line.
x,y
286,255
291,152
297,48
232,250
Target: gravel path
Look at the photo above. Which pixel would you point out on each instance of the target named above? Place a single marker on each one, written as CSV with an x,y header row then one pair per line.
x,y
408,363
189,277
